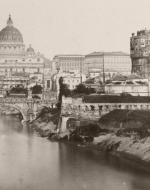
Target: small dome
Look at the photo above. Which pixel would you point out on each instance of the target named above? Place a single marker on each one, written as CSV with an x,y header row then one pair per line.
x,y
30,49
10,33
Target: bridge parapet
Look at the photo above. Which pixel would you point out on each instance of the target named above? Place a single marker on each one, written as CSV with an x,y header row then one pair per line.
x,y
26,106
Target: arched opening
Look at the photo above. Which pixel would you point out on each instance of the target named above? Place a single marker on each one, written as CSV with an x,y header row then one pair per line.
x,y
16,107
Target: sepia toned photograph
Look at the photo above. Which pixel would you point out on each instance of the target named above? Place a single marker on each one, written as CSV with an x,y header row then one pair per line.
x,y
75,95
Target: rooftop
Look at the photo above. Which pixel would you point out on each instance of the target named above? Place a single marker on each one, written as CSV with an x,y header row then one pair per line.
x,y
119,78
115,53
21,74
124,78
75,55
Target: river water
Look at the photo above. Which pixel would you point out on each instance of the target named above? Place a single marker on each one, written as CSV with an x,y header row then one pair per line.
x,y
29,162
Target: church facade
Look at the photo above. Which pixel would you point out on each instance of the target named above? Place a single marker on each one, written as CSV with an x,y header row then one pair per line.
x,y
14,57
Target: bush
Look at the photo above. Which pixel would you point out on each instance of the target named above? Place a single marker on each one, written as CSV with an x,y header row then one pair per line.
x,y
37,89
19,90
137,132
36,97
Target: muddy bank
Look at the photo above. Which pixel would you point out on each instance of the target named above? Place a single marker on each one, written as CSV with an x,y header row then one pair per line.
x,y
132,147
132,143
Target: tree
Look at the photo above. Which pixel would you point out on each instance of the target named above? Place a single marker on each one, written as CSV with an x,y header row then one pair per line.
x,y
18,89
81,89
37,89
63,89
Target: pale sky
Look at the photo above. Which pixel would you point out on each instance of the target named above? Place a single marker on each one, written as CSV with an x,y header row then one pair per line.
x,y
76,26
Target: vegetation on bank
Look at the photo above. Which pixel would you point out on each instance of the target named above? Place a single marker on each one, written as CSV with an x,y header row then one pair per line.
x,y
49,114
124,116
133,142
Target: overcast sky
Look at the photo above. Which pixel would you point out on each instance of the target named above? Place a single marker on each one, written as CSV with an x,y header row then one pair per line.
x,y
76,26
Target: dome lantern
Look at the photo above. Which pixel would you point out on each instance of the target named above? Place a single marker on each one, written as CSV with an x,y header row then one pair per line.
x,y
9,21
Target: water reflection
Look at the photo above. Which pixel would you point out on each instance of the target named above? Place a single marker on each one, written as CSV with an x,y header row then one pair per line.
x,y
31,162
99,171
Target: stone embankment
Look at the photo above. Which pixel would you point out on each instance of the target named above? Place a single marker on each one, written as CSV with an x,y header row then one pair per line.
x,y
130,137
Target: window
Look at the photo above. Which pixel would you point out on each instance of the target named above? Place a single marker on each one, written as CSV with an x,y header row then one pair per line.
x,y
38,59
48,83
68,80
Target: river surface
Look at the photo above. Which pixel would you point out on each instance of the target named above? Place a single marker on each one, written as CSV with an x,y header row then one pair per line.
x,y
29,162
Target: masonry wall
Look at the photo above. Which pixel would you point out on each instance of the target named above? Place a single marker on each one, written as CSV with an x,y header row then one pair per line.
x,y
134,90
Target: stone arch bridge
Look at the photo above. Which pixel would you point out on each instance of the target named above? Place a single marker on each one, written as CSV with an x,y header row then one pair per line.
x,y
27,107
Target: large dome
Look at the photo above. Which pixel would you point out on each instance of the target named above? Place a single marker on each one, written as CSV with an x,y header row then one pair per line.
x,y
10,33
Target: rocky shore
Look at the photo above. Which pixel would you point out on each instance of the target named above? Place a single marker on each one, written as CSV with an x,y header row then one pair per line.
x,y
132,143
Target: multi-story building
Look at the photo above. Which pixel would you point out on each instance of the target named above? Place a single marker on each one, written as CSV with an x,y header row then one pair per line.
x,y
70,62
72,79
118,61
14,57
15,79
140,53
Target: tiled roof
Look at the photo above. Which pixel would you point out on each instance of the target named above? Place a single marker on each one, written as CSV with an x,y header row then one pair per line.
x,y
37,73
133,76
119,78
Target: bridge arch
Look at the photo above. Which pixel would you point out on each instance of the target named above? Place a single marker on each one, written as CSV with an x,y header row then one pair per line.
x,y
19,109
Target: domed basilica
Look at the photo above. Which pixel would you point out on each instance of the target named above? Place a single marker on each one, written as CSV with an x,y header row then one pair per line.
x,y
14,57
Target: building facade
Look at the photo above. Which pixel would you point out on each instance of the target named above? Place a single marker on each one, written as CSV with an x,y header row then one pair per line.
x,y
72,79
14,57
118,61
70,62
140,53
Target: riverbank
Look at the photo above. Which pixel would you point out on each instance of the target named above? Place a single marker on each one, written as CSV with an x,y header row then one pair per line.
x,y
129,141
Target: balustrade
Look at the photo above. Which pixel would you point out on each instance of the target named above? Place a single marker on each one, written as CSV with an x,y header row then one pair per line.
x,y
92,110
